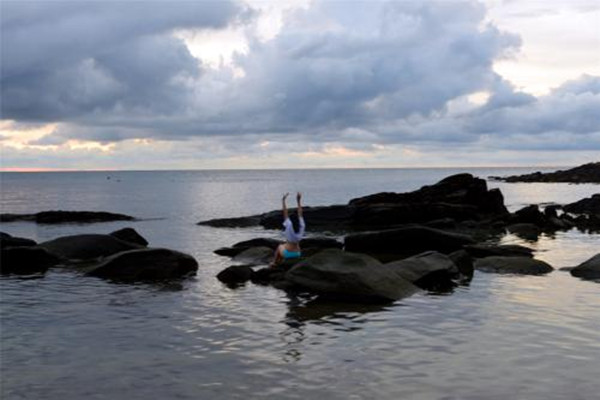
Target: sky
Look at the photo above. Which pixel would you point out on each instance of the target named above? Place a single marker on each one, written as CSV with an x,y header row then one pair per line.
x,y
148,85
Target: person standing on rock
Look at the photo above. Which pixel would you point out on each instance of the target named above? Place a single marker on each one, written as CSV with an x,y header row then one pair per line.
x,y
291,248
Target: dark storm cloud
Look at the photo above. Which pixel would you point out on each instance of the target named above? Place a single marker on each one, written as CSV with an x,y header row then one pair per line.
x,y
63,60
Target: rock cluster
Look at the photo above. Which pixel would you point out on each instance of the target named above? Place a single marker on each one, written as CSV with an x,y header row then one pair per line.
x,y
61,217
121,255
587,173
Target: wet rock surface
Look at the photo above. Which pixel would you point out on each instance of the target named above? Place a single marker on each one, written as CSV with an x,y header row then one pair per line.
x,y
513,265
590,269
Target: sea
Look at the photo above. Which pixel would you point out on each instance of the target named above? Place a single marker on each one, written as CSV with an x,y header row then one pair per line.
x,y
67,336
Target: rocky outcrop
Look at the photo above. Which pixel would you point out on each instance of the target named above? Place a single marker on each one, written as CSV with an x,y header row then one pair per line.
x,y
26,260
312,243
236,274
88,246
587,173
460,197
147,264
129,235
589,269
255,256
407,241
357,277
513,265
62,217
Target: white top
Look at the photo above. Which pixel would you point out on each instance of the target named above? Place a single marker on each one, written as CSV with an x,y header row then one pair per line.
x,y
290,235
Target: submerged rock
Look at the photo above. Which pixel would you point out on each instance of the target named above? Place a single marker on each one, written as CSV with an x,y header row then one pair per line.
x,y
589,269
481,250
147,264
26,260
61,217
88,246
513,265
351,276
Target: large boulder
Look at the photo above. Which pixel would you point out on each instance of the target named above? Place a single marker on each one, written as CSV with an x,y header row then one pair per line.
x,y
530,214
260,255
589,269
513,265
130,235
430,270
88,246
60,217
350,276
146,264
235,274
527,231
26,260
406,241
7,240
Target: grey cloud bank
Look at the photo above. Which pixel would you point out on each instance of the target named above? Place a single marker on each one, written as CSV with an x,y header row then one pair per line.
x,y
374,73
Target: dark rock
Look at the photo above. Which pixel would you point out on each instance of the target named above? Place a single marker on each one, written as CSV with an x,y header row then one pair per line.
x,y
255,256
551,211
60,217
266,276
89,246
308,245
406,241
237,222
529,232
354,277
147,264
235,274
481,250
529,215
259,242
336,217
512,265
429,270
589,269
26,260
320,243
464,263
130,235
7,240
589,205
587,173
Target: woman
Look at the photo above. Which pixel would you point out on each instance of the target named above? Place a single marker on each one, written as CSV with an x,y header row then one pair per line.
x,y
291,248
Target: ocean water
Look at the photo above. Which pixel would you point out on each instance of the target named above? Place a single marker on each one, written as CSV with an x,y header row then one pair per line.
x,y
66,336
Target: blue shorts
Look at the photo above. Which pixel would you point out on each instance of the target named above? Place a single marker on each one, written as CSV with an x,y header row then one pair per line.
x,y
291,254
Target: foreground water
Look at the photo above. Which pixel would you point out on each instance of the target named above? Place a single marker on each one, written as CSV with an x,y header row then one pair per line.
x,y
65,336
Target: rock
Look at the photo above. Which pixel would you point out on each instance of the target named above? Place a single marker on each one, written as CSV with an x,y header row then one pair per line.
x,y
551,211
266,276
130,235
429,270
587,173
60,217
147,264
529,215
349,276
255,256
26,260
464,263
88,246
481,250
308,245
406,241
320,243
512,265
7,240
235,274
589,269
525,231
589,205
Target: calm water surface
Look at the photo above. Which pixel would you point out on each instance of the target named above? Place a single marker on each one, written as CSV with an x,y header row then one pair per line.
x,y
65,336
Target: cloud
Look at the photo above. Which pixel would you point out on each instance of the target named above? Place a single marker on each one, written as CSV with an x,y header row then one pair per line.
x,y
376,78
